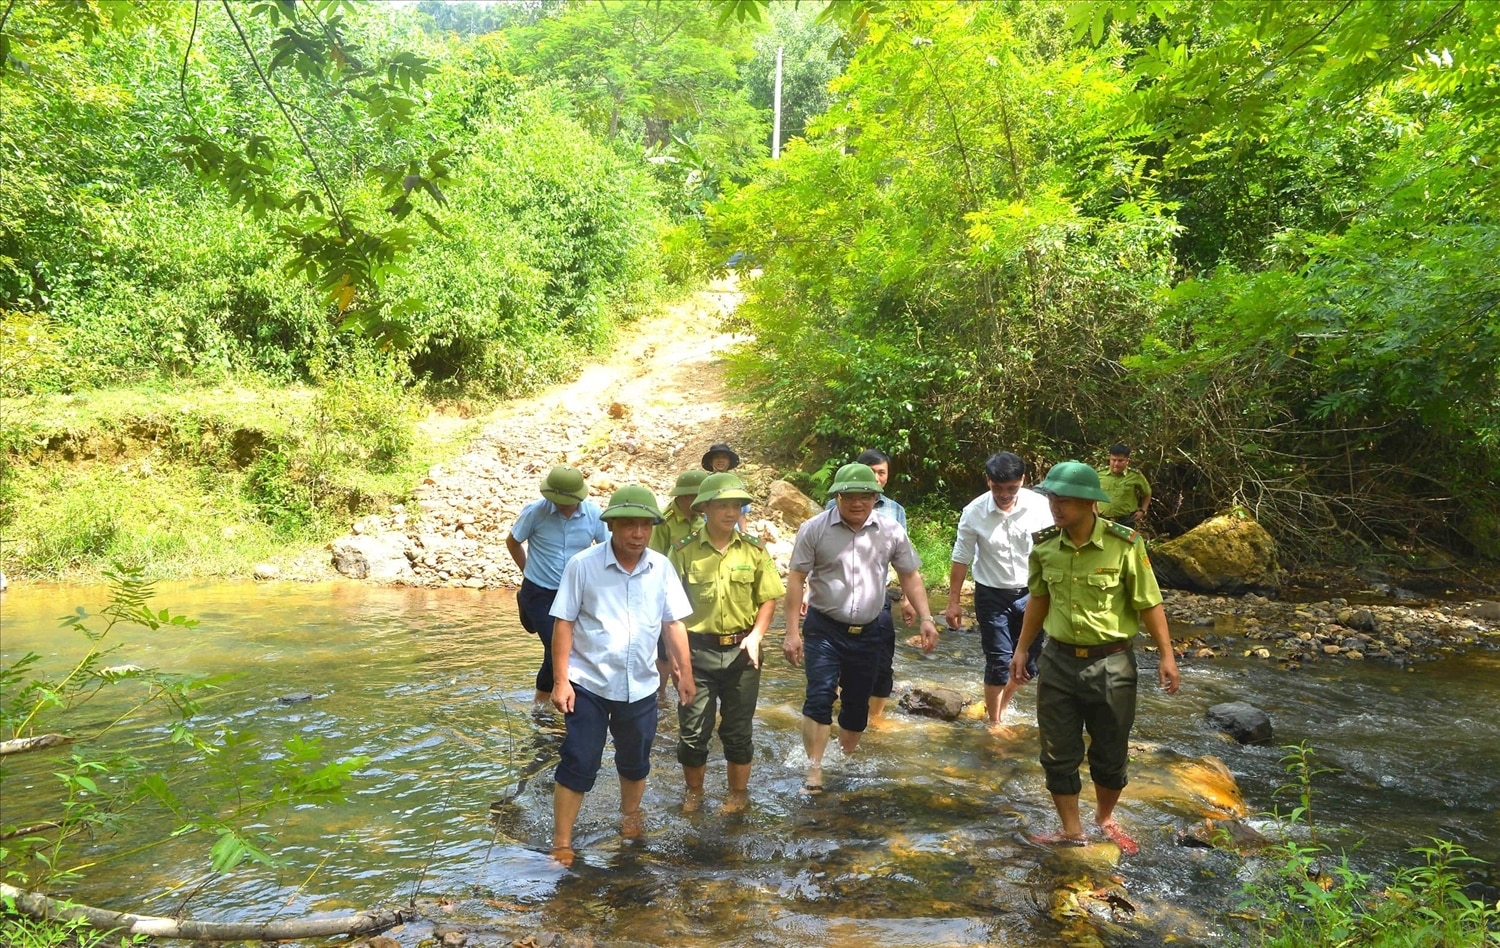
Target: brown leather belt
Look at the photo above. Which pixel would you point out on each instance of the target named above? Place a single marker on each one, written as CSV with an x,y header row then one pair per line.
x,y
1091,651
723,641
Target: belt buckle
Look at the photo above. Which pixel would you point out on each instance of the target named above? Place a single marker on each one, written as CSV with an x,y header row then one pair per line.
x,y
726,639
1080,651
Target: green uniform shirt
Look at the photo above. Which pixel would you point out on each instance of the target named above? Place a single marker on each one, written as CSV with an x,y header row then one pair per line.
x,y
674,527
726,589
1126,491
1097,590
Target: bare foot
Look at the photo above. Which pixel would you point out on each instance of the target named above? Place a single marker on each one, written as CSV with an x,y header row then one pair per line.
x,y
813,782
738,801
564,856
1117,835
692,800
633,825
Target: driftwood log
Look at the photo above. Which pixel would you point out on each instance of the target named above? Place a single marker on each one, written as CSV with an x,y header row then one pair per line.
x,y
44,907
22,744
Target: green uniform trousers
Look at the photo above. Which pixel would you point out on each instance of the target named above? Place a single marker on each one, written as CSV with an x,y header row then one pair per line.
x,y
1078,694
728,689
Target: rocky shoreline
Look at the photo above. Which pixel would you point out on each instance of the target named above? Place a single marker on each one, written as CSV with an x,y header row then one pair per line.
x,y
1332,630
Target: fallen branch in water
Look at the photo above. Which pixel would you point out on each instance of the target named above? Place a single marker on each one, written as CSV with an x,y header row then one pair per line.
x,y
40,906
20,745
29,830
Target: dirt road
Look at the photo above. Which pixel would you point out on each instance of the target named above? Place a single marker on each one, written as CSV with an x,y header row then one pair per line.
x,y
642,416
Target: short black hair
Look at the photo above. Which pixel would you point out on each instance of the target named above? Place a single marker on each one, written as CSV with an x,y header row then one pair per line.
x,y
1120,448
1002,466
872,457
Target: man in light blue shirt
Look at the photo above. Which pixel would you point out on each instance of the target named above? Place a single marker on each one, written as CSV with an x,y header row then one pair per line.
x,y
885,628
614,602
560,524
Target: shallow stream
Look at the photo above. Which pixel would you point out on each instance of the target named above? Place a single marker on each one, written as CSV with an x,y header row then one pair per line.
x,y
918,842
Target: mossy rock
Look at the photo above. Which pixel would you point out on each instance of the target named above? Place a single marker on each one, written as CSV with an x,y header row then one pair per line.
x,y
1227,553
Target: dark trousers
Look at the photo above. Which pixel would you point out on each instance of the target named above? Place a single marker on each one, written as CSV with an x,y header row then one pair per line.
x,y
885,671
632,725
999,612
841,664
535,605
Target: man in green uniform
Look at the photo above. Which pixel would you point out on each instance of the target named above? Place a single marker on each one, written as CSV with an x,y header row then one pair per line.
x,y
733,587
1091,590
679,519
1128,491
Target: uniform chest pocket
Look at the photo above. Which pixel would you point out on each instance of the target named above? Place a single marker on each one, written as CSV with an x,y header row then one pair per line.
x,y
702,585
741,577
1101,591
1056,580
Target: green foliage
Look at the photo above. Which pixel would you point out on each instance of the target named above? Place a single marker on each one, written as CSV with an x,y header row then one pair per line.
x,y
1254,241
929,282
1315,897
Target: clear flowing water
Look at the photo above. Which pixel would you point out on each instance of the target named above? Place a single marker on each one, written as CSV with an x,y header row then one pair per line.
x,y
918,842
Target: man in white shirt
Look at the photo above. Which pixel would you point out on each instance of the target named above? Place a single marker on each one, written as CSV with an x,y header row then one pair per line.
x,y
994,543
615,600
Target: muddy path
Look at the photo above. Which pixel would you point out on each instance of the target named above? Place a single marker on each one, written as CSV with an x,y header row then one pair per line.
x,y
641,416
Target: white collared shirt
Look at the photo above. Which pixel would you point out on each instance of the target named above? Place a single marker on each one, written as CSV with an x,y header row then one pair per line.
x,y
617,618
995,544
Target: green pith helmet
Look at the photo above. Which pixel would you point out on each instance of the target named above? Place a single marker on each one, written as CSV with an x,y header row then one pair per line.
x,y
856,479
564,486
687,483
721,486
1073,479
632,500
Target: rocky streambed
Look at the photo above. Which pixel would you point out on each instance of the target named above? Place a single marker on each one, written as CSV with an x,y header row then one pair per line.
x,y
1332,630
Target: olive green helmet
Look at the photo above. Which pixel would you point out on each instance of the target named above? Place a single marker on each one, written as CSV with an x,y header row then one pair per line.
x,y
721,486
1073,479
632,500
565,486
687,483
856,479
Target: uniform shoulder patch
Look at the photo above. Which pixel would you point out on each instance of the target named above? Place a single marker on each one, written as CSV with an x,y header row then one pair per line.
x,y
685,540
1042,536
756,542
1125,533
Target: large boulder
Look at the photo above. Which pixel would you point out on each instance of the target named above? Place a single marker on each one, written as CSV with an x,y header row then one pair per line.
x,y
794,506
381,558
1229,553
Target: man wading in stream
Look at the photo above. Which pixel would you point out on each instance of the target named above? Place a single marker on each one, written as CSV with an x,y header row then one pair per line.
x,y
839,561
733,585
1091,589
615,601
554,528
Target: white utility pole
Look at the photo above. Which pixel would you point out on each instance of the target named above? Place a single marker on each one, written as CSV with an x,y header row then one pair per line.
x,y
776,100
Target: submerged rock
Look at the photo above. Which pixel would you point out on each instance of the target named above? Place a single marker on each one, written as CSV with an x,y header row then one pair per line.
x,y
945,704
1242,721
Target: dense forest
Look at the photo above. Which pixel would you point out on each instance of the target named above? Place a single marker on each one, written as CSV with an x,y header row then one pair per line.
x,y
1256,241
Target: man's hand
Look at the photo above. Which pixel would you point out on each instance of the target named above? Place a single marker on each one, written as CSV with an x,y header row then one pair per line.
x,y
562,696
1018,672
751,647
686,688
954,614
908,612
1167,673
791,647
929,635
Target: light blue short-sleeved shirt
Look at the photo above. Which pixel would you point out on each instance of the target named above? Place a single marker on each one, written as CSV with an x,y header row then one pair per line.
x,y
884,506
551,540
617,618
